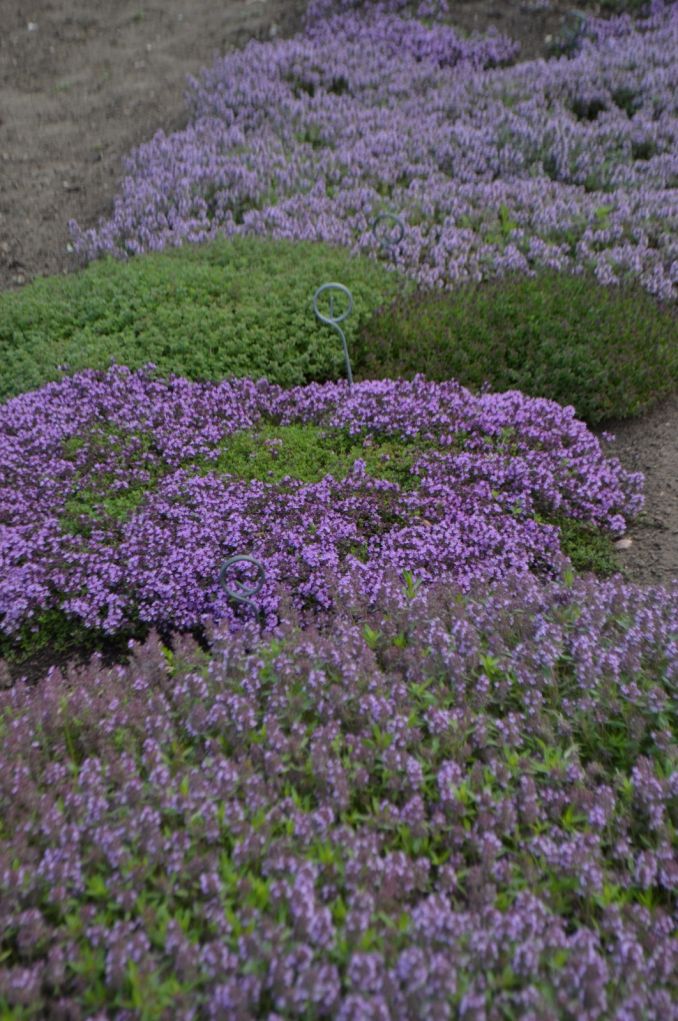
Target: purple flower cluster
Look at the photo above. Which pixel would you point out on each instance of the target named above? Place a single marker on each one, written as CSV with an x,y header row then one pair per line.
x,y
565,163
483,470
458,807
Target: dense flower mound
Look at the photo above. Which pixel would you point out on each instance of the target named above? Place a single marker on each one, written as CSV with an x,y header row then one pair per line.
x,y
122,493
611,352
563,163
238,306
461,807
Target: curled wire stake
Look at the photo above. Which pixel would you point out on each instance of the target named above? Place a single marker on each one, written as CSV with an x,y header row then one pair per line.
x,y
242,593
389,239
333,320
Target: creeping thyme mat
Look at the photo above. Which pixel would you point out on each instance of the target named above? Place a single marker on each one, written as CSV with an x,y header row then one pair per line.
x,y
440,782
445,805
565,163
122,493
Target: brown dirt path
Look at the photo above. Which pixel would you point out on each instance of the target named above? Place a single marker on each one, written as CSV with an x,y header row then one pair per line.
x,y
82,82
650,445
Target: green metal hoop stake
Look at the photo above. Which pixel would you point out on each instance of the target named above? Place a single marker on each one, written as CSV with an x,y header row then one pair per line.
x,y
333,320
574,25
390,238
242,593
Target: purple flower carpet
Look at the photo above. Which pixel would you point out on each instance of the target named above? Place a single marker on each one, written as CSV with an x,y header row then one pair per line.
x,y
433,777
566,163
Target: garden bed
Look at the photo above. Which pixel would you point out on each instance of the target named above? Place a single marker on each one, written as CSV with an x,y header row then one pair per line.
x,y
427,769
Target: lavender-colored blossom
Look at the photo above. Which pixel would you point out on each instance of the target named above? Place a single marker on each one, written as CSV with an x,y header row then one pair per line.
x,y
563,163
469,513
146,831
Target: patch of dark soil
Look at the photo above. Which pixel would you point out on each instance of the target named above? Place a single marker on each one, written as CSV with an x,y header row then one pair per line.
x,y
110,652
650,445
35,667
537,25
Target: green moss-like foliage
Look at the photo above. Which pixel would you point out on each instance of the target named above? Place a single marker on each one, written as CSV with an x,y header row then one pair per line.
x,y
611,352
270,453
589,549
240,307
308,453
55,636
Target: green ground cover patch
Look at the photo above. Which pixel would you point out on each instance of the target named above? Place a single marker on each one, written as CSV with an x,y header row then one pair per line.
x,y
610,352
95,497
307,453
240,307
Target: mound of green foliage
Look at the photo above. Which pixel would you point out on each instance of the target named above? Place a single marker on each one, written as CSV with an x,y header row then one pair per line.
x,y
239,307
612,352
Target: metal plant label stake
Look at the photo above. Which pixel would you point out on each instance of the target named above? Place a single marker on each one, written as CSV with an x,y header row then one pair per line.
x,y
333,320
392,236
241,593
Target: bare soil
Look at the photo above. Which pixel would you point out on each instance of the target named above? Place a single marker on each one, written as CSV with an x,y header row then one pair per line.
x,y
82,82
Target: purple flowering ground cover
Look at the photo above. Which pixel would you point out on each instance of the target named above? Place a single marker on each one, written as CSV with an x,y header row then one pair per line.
x,y
438,779
566,163
446,806
123,492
